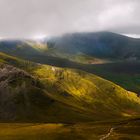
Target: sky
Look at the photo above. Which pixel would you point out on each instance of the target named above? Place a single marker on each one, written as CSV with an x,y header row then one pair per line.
x,y
39,18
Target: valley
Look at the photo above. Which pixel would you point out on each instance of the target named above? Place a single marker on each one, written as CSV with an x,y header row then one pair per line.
x,y
49,92
85,131
117,54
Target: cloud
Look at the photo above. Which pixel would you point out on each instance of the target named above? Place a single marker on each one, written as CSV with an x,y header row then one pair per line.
x,y
133,35
23,19
116,16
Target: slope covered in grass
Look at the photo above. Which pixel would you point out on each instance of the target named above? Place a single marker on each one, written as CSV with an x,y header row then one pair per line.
x,y
128,130
88,93
73,50
125,74
22,47
22,99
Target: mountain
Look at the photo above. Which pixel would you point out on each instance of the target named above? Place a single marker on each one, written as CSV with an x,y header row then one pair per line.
x,y
22,48
87,48
41,101
36,92
23,98
103,45
91,48
109,55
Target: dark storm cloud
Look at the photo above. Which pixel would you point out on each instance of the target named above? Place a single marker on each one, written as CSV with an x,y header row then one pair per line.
x,y
27,18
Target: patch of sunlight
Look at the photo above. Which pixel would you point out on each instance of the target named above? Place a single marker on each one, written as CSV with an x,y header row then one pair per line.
x,y
126,115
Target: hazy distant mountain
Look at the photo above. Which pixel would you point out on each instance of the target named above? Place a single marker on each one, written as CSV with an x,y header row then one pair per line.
x,y
105,45
92,48
22,47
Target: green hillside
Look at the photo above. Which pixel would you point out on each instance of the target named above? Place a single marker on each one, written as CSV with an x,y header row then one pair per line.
x,y
103,53
85,93
47,102
23,100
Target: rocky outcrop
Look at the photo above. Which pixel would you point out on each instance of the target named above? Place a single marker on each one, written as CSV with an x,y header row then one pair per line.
x,y
15,84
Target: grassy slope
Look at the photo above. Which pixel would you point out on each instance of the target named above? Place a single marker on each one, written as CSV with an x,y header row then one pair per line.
x,y
125,74
83,131
86,92
23,100
52,131
129,81
39,52
79,57
68,86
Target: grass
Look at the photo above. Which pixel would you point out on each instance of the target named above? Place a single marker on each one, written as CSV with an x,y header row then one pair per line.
x,y
78,131
115,72
81,90
69,99
41,53
125,74
52,131
78,58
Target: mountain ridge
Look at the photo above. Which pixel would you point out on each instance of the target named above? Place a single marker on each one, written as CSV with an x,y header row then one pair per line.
x,y
79,90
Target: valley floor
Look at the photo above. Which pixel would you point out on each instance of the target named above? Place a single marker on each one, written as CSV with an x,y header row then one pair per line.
x,y
128,130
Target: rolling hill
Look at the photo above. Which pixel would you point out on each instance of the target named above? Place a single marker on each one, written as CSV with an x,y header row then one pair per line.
x,y
49,92
23,100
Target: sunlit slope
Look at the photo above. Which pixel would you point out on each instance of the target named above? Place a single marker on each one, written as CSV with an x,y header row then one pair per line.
x,y
88,93
23,48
